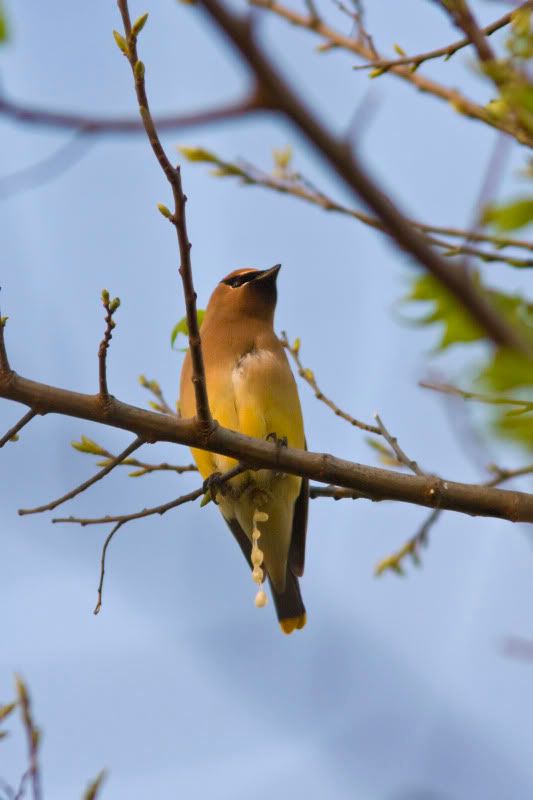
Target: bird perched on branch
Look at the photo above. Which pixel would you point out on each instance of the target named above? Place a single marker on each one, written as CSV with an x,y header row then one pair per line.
x,y
251,389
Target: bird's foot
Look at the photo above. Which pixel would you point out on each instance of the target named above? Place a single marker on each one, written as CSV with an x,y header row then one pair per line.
x,y
213,485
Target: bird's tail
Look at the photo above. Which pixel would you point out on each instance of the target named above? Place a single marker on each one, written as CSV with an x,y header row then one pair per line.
x,y
289,604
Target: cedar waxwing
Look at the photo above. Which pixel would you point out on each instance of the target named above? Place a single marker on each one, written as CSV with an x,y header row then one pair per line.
x,y
251,389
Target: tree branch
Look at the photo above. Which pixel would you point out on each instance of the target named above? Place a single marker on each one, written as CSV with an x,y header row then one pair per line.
x,y
173,176
139,441
372,482
162,509
447,52
308,377
297,185
110,307
347,166
17,427
465,20
454,98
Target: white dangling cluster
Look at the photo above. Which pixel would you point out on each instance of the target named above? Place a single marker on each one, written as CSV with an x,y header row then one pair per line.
x,y
257,557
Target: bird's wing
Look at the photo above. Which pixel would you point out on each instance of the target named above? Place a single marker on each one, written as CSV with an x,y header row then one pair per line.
x,y
299,530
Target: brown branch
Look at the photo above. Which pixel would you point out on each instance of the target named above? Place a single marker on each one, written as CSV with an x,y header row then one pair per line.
x,y
348,167
502,475
148,469
101,125
110,307
139,441
465,20
162,509
454,98
296,185
398,452
308,377
17,427
373,482
156,510
447,51
411,547
173,176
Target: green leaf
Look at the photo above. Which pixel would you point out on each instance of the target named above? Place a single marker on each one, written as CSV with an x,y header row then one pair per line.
x,y
458,326
94,787
507,370
198,154
6,710
86,445
399,50
510,217
183,328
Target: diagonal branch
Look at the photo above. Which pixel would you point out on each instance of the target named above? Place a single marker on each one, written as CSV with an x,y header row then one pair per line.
x,y
335,39
173,176
372,482
308,376
297,185
17,427
348,167
139,441
445,52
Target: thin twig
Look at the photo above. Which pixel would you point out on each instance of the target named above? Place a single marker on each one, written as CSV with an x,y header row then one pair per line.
x,y
98,605
297,185
447,51
17,427
153,386
309,377
110,307
335,39
502,475
162,509
377,483
173,176
446,388
465,20
411,547
398,452
139,441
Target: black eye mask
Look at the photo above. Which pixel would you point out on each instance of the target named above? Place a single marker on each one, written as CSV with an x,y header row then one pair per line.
x,y
239,280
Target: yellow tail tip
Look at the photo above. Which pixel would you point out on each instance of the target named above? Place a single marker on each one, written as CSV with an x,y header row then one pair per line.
x,y
290,624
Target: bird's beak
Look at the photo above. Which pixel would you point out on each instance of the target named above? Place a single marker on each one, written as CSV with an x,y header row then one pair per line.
x,y
271,273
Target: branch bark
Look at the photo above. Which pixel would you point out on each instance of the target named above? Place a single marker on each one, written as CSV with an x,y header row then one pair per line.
x,y
371,482
346,164
178,219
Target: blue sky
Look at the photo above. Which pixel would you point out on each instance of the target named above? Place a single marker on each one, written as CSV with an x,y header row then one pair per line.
x,y
397,689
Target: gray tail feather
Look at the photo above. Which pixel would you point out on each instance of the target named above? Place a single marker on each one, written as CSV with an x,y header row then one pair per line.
x,y
289,603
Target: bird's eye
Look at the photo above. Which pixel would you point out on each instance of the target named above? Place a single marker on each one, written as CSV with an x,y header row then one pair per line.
x,y
235,282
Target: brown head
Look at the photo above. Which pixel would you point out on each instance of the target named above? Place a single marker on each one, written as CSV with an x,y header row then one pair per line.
x,y
246,292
